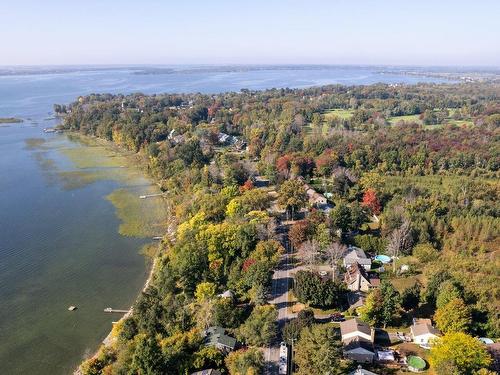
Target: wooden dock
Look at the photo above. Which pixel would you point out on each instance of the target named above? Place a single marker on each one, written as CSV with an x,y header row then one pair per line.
x,y
110,310
151,195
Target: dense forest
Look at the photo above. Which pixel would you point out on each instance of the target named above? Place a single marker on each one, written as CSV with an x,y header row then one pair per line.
x,y
410,171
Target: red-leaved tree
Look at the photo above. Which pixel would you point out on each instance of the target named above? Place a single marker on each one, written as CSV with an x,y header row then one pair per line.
x,y
371,201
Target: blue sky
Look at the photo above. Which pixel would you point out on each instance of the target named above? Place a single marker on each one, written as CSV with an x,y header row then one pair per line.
x,y
404,32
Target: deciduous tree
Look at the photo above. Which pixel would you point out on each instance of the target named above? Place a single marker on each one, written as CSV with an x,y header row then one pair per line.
x,y
455,316
458,354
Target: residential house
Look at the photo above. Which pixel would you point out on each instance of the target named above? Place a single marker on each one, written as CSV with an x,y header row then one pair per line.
x,y
357,338
357,279
227,294
209,371
423,332
216,336
361,371
355,300
357,255
315,199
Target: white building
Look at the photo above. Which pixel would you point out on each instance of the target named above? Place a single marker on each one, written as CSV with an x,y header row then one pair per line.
x,y
423,332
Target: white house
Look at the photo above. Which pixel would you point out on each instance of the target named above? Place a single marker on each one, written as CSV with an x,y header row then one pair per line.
x,y
357,255
423,332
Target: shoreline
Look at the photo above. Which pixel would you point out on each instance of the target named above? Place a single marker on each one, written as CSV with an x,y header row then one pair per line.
x,y
135,162
109,339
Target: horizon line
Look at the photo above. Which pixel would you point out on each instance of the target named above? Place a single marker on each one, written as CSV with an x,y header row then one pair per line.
x,y
250,64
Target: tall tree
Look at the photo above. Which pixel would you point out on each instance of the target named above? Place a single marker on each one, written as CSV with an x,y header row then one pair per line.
x,y
245,362
292,196
334,253
381,306
147,358
455,316
371,201
458,354
400,241
319,351
260,328
309,252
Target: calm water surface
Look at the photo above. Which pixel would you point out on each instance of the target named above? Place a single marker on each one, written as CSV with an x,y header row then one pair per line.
x,y
59,239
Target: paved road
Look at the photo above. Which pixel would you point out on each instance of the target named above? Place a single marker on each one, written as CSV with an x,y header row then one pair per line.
x,y
281,282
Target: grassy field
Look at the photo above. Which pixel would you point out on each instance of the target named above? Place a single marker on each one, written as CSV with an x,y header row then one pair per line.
x,y
408,118
416,119
343,114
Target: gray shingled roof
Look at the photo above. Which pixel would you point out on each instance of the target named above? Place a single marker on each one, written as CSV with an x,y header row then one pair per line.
x,y
217,336
422,329
209,371
355,254
353,325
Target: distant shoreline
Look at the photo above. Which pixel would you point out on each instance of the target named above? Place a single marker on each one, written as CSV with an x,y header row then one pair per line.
x,y
10,120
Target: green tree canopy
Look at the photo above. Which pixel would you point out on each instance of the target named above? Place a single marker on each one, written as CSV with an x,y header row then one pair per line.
x,y
455,316
147,358
318,351
261,327
382,305
292,196
458,354
245,362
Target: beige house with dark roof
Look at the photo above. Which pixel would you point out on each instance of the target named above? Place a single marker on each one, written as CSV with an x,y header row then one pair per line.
x,y
357,338
357,279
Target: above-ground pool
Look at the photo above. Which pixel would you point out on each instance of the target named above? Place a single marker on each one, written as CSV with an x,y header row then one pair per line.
x,y
383,258
416,364
486,340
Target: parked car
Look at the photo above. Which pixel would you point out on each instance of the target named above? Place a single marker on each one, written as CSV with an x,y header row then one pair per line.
x,y
337,317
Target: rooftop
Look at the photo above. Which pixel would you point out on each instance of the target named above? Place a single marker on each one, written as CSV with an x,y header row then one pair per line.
x,y
423,329
354,325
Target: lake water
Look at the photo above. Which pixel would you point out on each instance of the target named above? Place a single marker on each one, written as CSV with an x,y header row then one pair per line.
x,y
60,241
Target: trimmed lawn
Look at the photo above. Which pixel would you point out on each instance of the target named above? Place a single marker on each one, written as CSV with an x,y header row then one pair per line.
x,y
401,283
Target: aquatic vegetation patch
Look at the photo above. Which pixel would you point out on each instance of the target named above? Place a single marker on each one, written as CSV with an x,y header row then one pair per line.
x,y
139,217
150,249
72,180
34,143
94,157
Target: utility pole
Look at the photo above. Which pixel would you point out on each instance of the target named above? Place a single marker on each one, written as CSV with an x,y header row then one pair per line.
x,y
291,358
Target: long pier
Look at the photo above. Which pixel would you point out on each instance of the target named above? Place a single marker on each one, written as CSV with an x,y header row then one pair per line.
x,y
151,195
110,310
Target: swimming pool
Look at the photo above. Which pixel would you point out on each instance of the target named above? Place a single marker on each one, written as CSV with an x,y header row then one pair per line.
x,y
383,258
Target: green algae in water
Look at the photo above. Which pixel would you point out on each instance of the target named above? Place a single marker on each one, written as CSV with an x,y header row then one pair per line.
x,y
91,161
34,143
151,249
139,217
94,157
